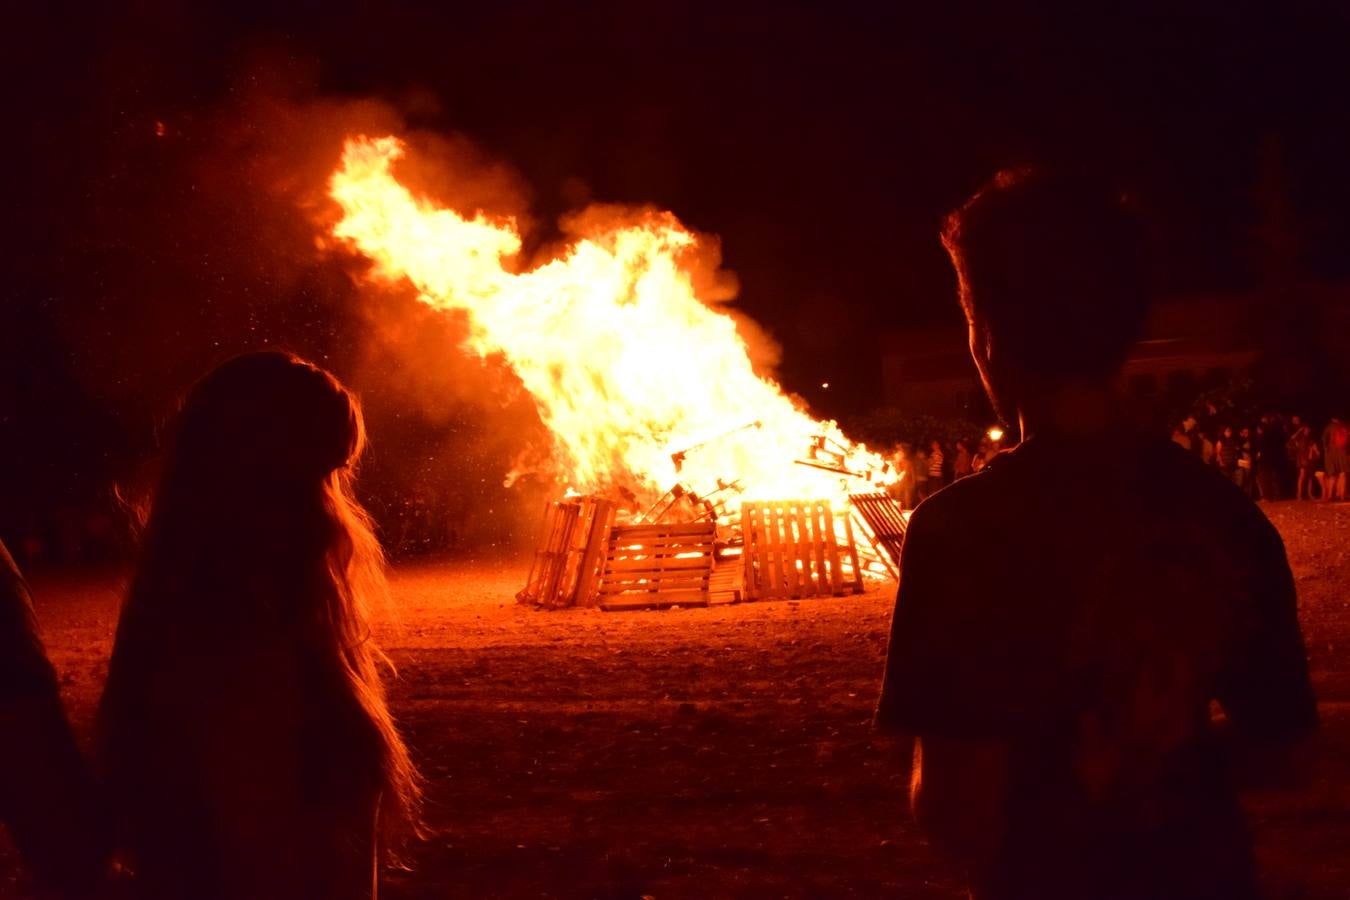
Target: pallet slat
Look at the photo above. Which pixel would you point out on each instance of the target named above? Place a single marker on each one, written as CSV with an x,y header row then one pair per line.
x,y
651,601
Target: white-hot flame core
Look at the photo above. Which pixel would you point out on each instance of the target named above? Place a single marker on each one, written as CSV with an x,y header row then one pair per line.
x,y
626,364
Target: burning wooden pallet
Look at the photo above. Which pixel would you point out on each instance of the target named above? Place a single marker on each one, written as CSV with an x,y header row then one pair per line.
x,y
567,562
657,565
883,524
792,550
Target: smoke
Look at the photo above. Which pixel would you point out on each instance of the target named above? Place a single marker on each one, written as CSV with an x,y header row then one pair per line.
x,y
206,236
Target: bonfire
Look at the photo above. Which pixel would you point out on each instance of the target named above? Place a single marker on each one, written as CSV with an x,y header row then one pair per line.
x,y
647,389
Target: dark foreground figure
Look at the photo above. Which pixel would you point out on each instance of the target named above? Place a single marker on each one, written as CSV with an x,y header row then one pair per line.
x,y
243,732
1067,616
47,796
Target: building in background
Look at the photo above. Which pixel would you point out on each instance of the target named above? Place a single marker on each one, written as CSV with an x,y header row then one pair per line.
x,y
1296,339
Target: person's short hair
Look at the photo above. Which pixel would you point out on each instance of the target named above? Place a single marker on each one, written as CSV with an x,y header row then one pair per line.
x,y
1052,265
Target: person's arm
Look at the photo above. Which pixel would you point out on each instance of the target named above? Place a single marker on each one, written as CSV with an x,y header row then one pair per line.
x,y
1264,688
931,692
957,789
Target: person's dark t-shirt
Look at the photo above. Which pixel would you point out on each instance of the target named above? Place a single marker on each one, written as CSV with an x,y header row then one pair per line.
x,y
1085,602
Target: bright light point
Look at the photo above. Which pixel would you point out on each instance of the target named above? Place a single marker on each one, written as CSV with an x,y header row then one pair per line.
x,y
995,434
825,385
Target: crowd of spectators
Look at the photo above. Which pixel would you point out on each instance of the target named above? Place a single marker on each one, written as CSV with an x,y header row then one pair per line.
x,y
926,467
1270,457
1275,457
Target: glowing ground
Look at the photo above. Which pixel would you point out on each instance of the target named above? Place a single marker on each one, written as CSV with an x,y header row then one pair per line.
x,y
702,752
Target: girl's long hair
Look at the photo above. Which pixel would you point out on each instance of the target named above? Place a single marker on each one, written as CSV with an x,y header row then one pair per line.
x,y
254,530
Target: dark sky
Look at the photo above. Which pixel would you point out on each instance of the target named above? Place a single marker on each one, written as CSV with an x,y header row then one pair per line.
x,y
822,142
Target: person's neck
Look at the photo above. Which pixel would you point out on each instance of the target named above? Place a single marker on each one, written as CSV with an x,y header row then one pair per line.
x,y
1076,411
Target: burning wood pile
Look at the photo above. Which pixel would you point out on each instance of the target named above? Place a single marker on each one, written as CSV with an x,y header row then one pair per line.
x,y
658,417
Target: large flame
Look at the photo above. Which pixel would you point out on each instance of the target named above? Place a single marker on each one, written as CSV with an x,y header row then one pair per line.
x,y
642,385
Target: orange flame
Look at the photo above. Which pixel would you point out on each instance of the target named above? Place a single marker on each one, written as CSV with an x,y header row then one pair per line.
x,y
641,384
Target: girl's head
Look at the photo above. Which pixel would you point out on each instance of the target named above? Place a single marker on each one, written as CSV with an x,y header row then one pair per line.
x,y
262,421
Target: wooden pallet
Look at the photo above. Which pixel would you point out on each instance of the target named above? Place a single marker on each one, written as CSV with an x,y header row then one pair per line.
x,y
883,524
567,562
792,549
657,565
727,582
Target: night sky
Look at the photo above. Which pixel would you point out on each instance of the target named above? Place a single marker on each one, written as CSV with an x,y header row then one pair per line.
x,y
822,142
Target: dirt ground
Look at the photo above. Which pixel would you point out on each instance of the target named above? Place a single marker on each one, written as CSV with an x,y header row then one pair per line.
x,y
697,753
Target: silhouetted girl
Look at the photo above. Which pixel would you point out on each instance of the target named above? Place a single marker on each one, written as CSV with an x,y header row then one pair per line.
x,y
244,730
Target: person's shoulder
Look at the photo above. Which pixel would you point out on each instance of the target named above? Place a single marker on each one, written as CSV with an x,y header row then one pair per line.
x,y
1198,489
955,506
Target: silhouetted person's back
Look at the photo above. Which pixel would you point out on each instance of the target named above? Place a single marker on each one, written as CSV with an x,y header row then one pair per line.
x,y
1067,615
47,797
244,730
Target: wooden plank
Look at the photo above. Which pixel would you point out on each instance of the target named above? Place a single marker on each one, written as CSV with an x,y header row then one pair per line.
x,y
751,549
658,576
791,576
622,537
650,601
651,587
655,564
596,542
761,552
815,551
853,555
629,547
566,527
832,551
672,530
768,586
787,571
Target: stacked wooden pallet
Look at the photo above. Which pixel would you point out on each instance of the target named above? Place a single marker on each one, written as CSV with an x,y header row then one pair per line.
x,y
657,565
567,561
792,550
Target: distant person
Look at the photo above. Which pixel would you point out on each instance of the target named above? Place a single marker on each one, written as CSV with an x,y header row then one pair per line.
x,y
244,729
1055,649
47,796
1336,459
983,454
1304,453
1181,438
962,463
1246,463
907,488
1270,457
1227,450
921,472
936,466
1205,449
